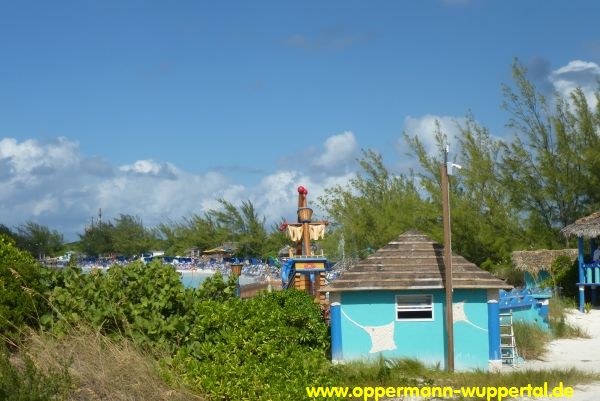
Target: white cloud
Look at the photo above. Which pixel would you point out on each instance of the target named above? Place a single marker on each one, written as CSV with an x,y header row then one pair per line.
x,y
277,193
577,73
339,151
425,128
149,167
30,158
54,184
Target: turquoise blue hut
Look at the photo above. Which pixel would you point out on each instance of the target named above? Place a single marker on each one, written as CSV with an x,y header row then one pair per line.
x,y
392,304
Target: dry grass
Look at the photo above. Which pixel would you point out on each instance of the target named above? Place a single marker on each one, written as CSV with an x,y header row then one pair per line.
x,y
104,369
531,339
558,323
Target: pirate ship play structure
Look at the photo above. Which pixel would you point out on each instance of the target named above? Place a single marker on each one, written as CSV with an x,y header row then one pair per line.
x,y
304,270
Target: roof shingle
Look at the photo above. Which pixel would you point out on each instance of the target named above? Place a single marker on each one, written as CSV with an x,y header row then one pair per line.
x,y
412,261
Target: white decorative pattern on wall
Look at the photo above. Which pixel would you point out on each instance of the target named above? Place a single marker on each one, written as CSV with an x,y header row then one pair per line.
x,y
382,337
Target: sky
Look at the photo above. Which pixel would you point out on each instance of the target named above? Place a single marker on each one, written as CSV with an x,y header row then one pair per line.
x,y
159,108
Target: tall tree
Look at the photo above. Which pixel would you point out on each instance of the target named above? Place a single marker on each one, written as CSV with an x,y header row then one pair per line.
x,y
39,240
130,237
97,240
244,224
548,167
485,225
374,207
195,231
5,230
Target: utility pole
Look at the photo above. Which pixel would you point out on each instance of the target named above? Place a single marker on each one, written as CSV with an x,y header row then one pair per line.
x,y
447,262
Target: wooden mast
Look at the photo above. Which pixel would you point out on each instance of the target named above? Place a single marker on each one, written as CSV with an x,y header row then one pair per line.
x,y
301,204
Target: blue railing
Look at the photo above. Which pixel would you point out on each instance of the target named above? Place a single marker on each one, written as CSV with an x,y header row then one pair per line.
x,y
526,305
591,273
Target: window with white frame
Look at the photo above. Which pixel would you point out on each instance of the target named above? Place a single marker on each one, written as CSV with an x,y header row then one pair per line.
x,y
414,307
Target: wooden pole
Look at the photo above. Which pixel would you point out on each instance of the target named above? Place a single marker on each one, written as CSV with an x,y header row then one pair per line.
x,y
301,203
306,239
448,266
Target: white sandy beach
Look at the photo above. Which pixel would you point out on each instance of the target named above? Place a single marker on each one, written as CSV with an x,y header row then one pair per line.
x,y
583,354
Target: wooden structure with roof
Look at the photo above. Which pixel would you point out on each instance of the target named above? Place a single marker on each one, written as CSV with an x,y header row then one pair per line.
x,y
534,262
392,303
536,265
589,263
412,261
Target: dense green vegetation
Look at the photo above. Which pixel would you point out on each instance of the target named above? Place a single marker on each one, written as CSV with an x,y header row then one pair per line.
x,y
269,345
105,335
22,285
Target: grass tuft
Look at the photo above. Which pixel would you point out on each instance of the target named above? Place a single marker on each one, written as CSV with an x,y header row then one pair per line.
x,y
410,372
102,368
21,380
516,378
531,339
557,319
382,372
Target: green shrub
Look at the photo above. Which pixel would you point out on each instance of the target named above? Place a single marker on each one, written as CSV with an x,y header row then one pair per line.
x,y
215,288
266,348
145,302
565,274
23,283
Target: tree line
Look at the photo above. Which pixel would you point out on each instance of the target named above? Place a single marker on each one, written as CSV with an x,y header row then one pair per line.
x,y
126,235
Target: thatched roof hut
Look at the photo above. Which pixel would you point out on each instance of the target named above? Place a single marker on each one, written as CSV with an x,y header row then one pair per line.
x,y
586,227
535,261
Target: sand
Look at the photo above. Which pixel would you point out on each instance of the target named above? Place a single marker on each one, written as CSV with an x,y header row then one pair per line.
x,y
583,354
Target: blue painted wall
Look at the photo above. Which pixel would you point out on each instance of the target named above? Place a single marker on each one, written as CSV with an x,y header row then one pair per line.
x,y
528,314
423,340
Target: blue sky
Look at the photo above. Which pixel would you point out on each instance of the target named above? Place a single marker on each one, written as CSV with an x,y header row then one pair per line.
x,y
158,108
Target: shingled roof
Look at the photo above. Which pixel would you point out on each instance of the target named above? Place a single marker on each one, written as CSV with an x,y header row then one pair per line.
x,y
412,261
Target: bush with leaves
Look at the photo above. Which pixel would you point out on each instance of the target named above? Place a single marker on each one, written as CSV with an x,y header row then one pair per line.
x,y
565,274
266,348
145,302
23,283
215,288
